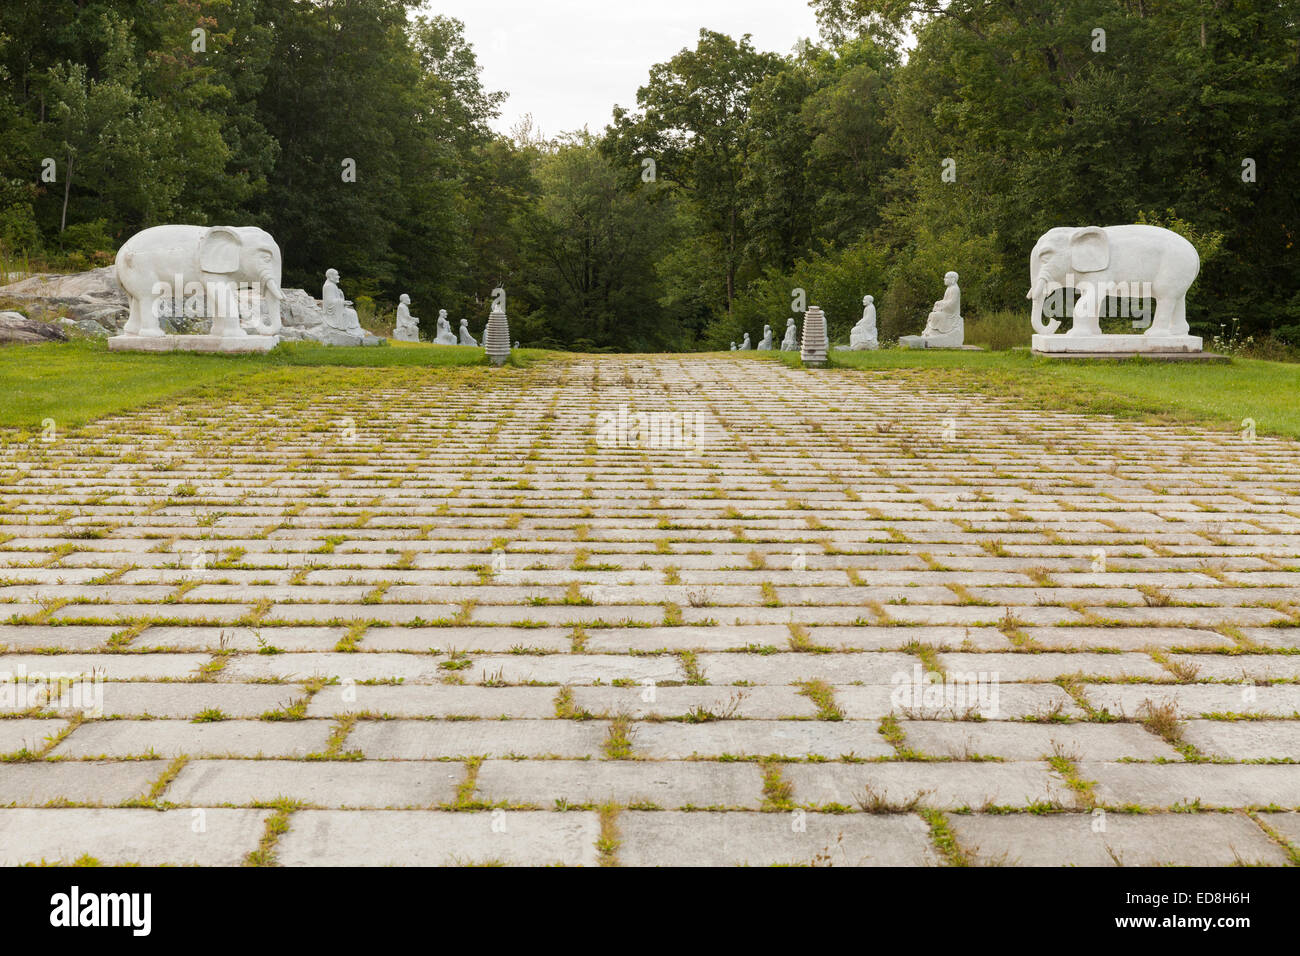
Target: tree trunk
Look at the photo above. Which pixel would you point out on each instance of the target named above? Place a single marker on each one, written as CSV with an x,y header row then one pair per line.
x,y
67,185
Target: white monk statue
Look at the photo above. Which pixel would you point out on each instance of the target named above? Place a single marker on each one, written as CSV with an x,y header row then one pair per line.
x,y
744,344
408,326
944,328
791,341
863,336
445,335
733,346
338,311
766,344
465,337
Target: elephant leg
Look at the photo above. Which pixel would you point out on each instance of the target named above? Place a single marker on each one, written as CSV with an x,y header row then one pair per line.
x,y
224,306
1164,317
1179,325
1085,313
149,310
132,326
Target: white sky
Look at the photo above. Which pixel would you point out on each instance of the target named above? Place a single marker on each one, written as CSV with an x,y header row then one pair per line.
x,y
567,62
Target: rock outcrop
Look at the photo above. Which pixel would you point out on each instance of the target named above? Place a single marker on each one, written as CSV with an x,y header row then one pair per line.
x,y
81,296
17,329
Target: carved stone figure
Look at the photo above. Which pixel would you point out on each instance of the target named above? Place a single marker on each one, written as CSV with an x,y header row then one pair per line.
x,y
338,312
744,345
944,327
445,335
408,327
165,269
765,345
791,341
465,337
1121,263
863,336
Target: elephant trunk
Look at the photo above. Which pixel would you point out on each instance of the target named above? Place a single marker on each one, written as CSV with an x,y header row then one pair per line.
x,y
1037,292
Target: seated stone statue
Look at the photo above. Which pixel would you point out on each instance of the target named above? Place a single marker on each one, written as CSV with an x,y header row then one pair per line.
x,y
465,337
733,346
766,344
944,328
791,341
445,335
408,326
744,345
338,312
863,336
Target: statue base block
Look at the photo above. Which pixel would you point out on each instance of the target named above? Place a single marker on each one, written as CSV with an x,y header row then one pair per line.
x,y
193,343
1116,344
921,342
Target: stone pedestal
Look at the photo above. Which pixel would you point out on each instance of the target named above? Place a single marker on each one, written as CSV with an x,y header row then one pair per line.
x,y
935,342
1115,344
815,342
232,345
496,338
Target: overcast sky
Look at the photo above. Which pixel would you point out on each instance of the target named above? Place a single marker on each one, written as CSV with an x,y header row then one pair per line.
x,y
567,62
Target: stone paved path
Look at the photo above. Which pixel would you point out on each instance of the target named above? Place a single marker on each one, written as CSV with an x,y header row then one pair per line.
x,y
830,618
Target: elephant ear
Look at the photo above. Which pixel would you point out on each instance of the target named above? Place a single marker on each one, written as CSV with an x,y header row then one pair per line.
x,y
219,250
1089,249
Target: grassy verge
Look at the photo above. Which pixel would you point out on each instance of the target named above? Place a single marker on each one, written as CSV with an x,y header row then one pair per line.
x,y
77,382
1218,394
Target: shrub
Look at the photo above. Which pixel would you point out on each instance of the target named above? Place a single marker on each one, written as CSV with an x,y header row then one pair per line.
x,y
999,331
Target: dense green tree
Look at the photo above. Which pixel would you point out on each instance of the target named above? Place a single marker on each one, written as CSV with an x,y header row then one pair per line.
x,y
693,125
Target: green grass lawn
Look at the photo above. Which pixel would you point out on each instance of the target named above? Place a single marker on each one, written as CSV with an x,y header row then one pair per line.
x,y
1221,394
77,382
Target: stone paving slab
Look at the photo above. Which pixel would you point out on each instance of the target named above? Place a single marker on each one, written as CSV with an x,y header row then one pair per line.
x,y
29,735
175,738
1078,839
1195,700
1211,785
437,739
763,702
675,741
213,837
1245,740
334,784
408,838
1024,741
667,785
1285,824
942,785
100,783
767,839
434,700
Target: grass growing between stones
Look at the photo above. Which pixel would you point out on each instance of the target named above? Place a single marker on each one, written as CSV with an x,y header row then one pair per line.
x,y
1223,394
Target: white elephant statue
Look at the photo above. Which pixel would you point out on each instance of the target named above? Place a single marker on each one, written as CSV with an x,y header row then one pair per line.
x,y
1133,261
178,262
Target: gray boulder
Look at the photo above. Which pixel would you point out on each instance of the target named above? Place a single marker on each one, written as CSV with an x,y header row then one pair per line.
x,y
94,296
17,329
86,327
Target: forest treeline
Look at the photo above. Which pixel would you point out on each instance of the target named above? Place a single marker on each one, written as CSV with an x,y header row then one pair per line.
x,y
911,137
